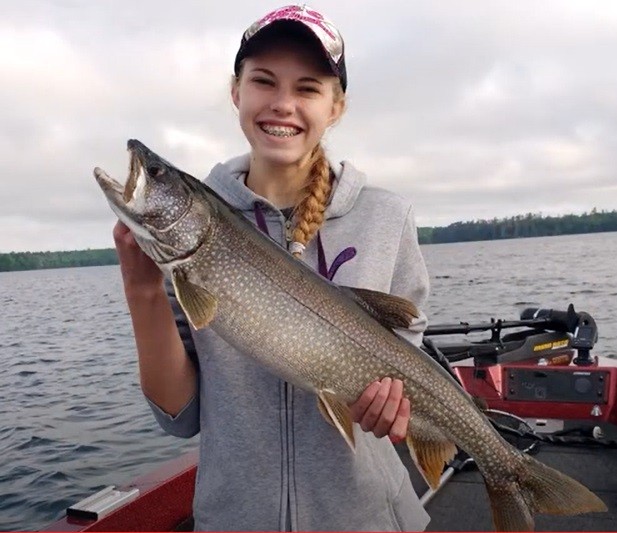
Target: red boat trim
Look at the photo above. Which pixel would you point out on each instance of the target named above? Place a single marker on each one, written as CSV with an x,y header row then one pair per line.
x,y
164,502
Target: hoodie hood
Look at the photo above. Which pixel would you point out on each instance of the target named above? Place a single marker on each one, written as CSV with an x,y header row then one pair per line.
x,y
227,179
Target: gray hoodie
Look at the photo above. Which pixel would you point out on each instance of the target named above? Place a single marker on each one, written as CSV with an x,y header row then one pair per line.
x,y
268,459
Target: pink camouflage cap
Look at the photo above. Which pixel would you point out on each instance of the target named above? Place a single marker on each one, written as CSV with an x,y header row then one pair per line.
x,y
305,18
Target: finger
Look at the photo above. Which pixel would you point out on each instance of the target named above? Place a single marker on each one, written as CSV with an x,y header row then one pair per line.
x,y
374,410
398,431
120,229
359,407
124,239
390,409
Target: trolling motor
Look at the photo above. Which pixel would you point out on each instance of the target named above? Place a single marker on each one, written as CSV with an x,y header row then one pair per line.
x,y
550,335
582,326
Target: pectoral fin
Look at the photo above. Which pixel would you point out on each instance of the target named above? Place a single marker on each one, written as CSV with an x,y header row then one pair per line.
x,y
337,413
430,449
391,311
198,304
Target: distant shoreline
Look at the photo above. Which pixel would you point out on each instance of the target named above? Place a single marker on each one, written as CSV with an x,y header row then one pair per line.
x,y
521,226
19,261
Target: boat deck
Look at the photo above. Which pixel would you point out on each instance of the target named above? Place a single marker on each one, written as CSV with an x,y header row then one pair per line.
x,y
462,504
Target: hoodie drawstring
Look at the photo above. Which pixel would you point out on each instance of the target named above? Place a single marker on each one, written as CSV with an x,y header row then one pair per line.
x,y
346,255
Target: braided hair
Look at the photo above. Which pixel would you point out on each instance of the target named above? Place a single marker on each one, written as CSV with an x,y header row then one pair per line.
x,y
309,212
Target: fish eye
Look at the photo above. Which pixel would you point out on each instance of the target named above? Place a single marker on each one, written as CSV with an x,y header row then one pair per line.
x,y
155,171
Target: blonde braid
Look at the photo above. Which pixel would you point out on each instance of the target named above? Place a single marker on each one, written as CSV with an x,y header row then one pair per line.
x,y
309,213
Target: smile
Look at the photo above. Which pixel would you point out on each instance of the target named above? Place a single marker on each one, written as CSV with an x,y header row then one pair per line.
x,y
279,131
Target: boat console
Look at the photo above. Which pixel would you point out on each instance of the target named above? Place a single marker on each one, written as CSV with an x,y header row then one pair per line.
x,y
544,370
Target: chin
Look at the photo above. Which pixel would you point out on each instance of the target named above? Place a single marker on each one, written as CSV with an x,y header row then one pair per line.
x,y
282,158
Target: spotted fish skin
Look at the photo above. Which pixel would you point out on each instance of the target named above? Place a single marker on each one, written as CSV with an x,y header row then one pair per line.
x,y
330,340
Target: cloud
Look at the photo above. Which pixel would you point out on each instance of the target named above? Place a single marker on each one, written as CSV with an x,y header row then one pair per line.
x,y
472,109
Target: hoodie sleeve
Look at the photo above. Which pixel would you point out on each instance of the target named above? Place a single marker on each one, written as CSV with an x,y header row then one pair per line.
x,y
186,423
410,278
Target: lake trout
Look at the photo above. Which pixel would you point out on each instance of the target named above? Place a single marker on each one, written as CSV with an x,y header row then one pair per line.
x,y
330,340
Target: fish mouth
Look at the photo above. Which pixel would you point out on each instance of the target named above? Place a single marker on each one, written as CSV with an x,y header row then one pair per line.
x,y
125,195
112,189
133,203
136,171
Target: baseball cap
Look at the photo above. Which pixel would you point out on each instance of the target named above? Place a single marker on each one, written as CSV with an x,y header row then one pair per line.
x,y
308,21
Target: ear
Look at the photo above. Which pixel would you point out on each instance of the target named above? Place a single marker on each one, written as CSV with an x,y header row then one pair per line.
x,y
235,93
337,111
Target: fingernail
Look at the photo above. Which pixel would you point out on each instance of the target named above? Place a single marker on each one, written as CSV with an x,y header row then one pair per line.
x,y
395,440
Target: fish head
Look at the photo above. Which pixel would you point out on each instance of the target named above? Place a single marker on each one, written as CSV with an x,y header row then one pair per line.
x,y
157,203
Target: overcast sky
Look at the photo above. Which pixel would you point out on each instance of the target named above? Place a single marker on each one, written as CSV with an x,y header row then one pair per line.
x,y
471,108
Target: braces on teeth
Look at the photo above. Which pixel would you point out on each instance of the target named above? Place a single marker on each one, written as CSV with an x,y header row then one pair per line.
x,y
280,132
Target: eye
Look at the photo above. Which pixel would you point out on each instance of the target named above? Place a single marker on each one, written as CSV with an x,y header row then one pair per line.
x,y
309,89
155,170
263,81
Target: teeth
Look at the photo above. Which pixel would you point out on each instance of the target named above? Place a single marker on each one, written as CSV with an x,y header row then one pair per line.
x,y
280,131
138,196
131,182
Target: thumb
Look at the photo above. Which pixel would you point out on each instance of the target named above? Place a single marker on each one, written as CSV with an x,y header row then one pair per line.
x,y
121,231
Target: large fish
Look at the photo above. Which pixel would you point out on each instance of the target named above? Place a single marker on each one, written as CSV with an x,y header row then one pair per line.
x,y
327,339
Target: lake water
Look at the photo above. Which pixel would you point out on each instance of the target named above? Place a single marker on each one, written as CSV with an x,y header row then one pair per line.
x,y
72,416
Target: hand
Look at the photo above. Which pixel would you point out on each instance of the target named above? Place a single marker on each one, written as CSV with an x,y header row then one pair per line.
x,y
139,272
382,409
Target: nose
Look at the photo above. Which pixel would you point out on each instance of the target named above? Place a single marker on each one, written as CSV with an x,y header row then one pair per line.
x,y
283,102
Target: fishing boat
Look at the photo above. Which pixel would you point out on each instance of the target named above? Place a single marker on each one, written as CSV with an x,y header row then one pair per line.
x,y
540,386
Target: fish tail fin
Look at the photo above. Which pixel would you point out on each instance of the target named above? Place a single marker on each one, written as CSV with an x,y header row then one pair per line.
x,y
538,489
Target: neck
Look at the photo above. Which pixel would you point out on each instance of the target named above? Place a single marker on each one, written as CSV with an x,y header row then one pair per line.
x,y
282,185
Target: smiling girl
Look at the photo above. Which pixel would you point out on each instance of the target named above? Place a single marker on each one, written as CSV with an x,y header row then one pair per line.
x,y
268,460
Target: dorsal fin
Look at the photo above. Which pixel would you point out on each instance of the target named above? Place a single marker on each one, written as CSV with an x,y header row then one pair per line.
x,y
391,311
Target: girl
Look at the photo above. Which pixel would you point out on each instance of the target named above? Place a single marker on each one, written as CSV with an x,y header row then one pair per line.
x,y
268,460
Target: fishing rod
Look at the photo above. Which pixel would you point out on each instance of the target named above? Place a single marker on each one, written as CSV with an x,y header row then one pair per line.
x,y
552,319
580,326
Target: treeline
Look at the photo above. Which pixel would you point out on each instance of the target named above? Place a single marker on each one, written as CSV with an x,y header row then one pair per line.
x,y
42,260
529,225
